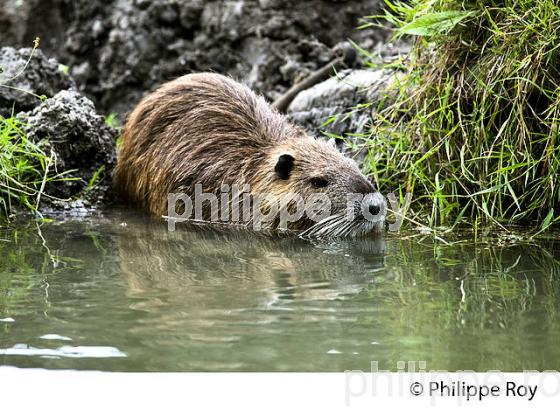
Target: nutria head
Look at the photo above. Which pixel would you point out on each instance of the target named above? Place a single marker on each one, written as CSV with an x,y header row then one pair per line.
x,y
315,170
202,132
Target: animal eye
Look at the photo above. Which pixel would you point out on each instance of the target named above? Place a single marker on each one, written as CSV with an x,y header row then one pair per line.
x,y
318,182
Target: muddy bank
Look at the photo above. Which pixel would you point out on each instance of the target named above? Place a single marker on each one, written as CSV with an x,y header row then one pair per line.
x,y
118,50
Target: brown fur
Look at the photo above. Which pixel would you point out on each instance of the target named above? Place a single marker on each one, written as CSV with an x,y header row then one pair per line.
x,y
208,129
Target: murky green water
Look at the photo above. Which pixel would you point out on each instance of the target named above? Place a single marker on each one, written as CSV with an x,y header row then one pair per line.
x,y
122,293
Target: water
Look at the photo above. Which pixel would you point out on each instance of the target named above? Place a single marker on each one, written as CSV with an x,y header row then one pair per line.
x,y
121,293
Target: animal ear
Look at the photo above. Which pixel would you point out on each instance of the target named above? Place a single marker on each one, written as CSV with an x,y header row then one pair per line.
x,y
284,166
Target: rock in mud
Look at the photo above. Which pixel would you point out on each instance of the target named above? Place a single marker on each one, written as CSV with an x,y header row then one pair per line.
x,y
80,141
352,91
344,104
24,80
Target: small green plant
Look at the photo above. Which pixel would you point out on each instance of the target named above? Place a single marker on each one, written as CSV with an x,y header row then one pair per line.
x,y
113,121
472,130
94,180
64,69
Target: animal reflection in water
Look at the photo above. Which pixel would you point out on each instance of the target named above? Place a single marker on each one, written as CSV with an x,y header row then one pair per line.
x,y
241,269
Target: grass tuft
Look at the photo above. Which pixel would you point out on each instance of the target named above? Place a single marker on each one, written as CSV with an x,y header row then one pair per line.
x,y
25,169
473,130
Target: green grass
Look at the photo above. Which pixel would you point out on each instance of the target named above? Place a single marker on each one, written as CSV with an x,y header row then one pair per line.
x,y
25,169
472,127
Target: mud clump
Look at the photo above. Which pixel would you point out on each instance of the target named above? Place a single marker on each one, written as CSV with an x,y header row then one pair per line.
x,y
81,142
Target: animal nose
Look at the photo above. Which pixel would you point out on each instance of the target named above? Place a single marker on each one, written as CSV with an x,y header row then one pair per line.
x,y
374,209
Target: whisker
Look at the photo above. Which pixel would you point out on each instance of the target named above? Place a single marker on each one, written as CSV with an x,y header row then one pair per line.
x,y
339,226
323,226
349,229
342,228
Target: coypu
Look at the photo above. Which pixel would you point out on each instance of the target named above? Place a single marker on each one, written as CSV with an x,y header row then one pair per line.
x,y
207,130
